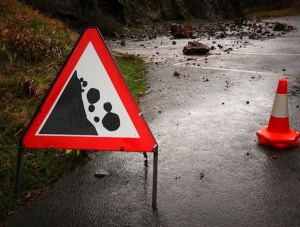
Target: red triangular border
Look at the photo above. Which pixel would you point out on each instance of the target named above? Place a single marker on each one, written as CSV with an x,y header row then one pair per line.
x,y
145,143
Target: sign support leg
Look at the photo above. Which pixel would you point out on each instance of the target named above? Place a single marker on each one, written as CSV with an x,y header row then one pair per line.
x,y
19,167
155,167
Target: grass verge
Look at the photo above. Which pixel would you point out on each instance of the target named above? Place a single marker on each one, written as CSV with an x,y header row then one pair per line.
x,y
32,50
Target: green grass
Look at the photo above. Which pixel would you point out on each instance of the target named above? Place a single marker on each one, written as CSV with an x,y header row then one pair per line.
x,y
33,48
132,67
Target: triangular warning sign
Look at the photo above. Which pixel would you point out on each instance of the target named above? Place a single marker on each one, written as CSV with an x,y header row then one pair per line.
x,y
89,106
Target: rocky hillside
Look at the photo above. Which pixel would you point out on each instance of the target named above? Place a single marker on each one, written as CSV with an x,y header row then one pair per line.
x,y
109,13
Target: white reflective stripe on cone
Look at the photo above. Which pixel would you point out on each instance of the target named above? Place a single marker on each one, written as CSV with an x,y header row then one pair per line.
x,y
280,107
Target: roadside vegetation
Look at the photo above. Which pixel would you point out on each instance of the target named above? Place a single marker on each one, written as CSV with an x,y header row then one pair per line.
x,y
33,48
279,9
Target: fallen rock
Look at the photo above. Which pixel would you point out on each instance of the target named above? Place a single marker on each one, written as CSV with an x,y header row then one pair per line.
x,y
195,48
252,36
152,36
279,27
238,21
181,31
275,156
101,173
176,74
228,50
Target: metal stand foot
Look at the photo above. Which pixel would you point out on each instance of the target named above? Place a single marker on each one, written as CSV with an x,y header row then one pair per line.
x,y
155,167
19,167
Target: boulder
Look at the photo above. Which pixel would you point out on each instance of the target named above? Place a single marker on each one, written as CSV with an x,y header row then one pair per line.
x,y
279,27
123,43
195,48
252,36
239,21
181,31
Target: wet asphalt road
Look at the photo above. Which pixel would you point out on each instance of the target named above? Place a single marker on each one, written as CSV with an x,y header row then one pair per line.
x,y
212,171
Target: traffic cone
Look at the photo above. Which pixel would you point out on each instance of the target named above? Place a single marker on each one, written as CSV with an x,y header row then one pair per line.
x,y
287,18
278,133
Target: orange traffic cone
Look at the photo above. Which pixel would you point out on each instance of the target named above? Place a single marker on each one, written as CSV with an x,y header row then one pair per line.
x,y
278,133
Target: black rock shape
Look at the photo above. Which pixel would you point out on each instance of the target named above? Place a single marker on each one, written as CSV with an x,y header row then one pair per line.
x,y
111,121
93,95
68,117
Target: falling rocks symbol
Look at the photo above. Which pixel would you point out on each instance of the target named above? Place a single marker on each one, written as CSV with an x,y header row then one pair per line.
x,y
111,121
68,117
